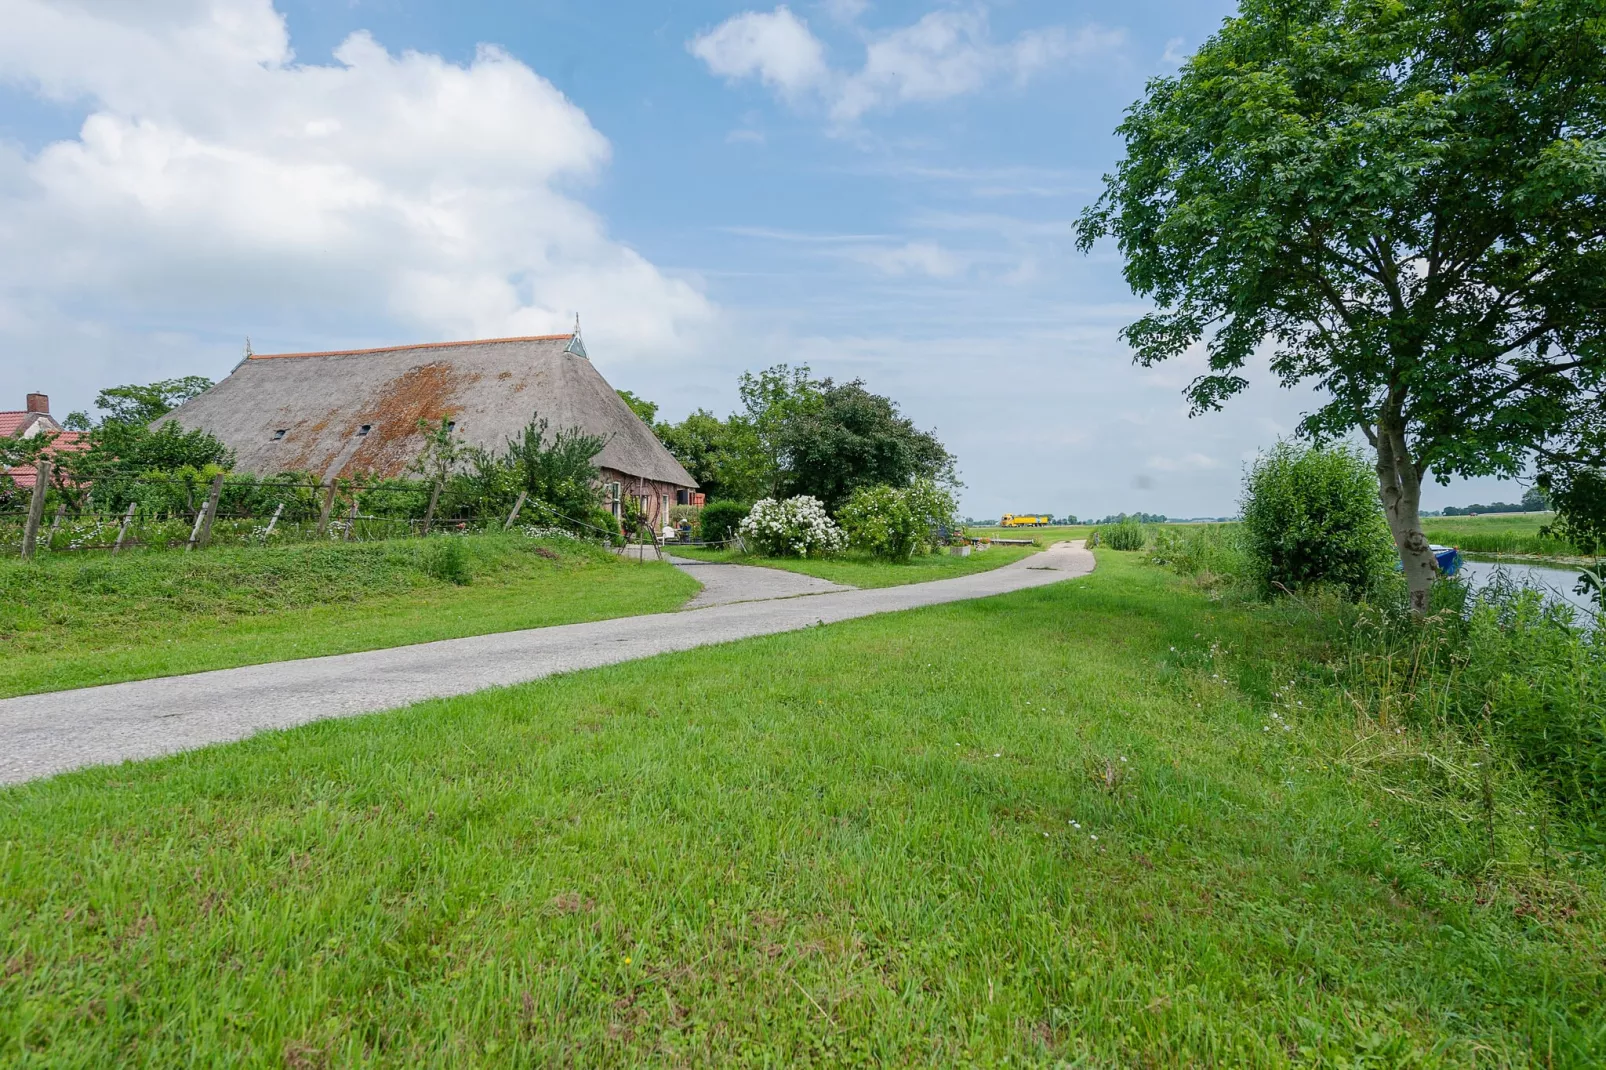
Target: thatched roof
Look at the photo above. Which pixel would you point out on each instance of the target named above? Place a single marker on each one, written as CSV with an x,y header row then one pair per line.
x,y
491,389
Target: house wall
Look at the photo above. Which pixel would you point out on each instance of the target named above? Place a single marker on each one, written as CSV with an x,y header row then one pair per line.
x,y
659,497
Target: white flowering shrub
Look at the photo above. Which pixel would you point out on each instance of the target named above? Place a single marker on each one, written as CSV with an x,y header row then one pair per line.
x,y
796,527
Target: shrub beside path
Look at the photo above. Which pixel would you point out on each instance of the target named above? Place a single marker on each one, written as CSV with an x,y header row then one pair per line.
x,y
41,735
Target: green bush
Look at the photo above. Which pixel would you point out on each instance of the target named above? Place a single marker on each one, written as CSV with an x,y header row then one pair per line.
x,y
1312,516
720,520
892,523
445,558
606,524
1127,535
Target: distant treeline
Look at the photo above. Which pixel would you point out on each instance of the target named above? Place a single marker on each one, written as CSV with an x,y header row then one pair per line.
x,y
1535,501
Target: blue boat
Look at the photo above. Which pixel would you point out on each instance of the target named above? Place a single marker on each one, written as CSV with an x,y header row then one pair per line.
x,y
1448,557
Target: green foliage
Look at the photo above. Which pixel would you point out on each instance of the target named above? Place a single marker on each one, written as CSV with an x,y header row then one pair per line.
x,y
879,521
1311,516
722,455
1505,664
144,405
646,411
849,438
605,523
1406,200
721,519
1127,535
445,558
1579,496
797,435
561,472
894,523
1207,551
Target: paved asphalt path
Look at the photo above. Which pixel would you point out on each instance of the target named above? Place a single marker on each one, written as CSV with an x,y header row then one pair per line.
x,y
41,735
724,584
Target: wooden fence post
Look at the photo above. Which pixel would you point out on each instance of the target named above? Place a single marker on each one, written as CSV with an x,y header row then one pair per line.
x,y
429,514
514,515
122,529
202,533
351,521
36,510
55,523
274,522
328,506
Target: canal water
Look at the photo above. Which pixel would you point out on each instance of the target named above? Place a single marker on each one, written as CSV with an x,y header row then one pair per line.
x,y
1556,581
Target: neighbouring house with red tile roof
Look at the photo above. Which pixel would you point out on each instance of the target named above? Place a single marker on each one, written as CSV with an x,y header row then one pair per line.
x,y
33,421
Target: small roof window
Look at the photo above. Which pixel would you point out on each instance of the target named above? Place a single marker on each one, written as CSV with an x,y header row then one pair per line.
x,y
364,429
277,435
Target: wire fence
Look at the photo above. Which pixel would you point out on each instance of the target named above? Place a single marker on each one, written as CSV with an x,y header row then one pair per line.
x,y
115,511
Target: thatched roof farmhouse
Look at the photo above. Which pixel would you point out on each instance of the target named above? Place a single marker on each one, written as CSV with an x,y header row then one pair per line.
x,y
340,414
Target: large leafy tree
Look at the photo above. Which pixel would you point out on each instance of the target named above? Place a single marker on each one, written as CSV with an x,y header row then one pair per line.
x,y
853,438
1402,200
722,455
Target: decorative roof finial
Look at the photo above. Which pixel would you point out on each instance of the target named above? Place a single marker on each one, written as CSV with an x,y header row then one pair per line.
x,y
576,346
248,353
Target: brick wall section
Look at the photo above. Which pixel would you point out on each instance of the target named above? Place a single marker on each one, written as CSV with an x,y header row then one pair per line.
x,y
657,494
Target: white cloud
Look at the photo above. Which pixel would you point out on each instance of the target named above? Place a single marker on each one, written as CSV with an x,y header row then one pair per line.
x,y
945,54
216,184
912,258
777,48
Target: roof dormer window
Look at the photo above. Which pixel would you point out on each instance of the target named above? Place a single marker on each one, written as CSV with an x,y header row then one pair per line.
x,y
364,429
279,434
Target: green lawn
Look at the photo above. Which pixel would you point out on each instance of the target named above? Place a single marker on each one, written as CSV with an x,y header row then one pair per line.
x,y
1052,827
1510,533
861,570
71,620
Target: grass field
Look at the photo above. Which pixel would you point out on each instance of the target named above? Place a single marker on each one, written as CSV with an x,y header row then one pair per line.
x,y
1060,826
77,620
1509,533
861,570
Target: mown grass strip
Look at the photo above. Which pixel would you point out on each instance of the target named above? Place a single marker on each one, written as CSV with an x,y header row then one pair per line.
x,y
79,620
862,570
1049,826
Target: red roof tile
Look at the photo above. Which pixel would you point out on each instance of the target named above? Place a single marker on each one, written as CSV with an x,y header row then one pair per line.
x,y
11,422
25,475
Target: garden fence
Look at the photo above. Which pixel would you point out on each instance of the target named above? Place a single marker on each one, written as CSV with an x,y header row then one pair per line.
x,y
118,511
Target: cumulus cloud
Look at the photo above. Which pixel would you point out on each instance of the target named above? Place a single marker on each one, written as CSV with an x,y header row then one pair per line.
x,y
776,47
379,196
945,54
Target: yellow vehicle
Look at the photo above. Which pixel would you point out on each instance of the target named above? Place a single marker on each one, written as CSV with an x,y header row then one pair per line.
x,y
1012,521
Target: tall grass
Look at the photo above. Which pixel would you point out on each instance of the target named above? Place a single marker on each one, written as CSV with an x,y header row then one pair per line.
x,y
1503,669
1498,534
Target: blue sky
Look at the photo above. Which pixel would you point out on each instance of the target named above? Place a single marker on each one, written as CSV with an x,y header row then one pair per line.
x,y
880,190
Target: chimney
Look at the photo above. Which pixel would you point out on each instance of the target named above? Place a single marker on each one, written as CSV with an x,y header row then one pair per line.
x,y
39,403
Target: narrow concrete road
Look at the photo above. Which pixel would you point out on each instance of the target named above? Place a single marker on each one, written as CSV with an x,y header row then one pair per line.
x,y
45,734
725,584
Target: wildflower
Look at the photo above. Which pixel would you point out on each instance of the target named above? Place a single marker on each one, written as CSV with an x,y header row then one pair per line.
x,y
1091,836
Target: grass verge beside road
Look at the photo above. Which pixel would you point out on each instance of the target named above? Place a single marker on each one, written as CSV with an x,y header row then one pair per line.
x,y
78,620
862,570
1064,824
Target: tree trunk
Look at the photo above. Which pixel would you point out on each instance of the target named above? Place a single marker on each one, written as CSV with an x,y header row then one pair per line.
x,y
1400,488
